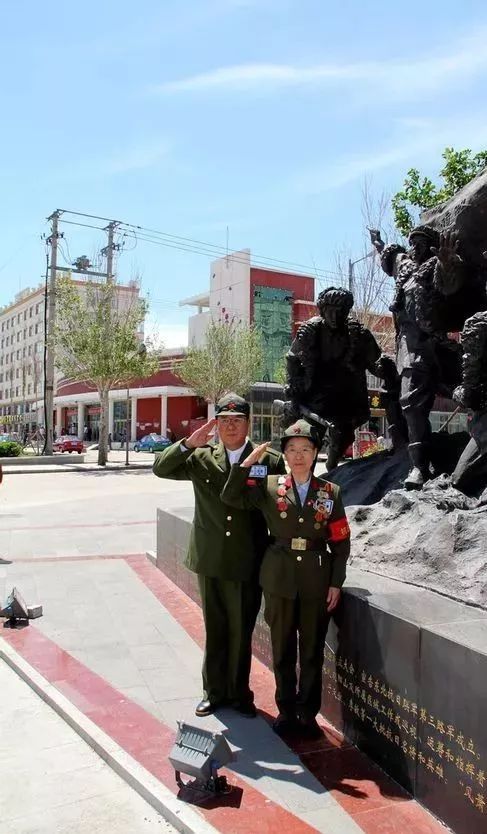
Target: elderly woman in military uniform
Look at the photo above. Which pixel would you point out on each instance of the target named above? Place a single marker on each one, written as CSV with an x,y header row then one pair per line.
x,y
303,568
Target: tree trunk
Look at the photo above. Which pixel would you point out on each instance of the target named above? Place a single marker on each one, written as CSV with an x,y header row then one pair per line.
x,y
103,439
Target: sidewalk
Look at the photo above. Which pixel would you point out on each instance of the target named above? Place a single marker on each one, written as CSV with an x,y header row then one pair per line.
x,y
123,644
39,753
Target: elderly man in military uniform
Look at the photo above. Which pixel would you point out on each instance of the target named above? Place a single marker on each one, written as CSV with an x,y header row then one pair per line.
x,y
225,551
326,367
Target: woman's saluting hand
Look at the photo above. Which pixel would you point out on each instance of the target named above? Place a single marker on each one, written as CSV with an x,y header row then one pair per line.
x,y
256,455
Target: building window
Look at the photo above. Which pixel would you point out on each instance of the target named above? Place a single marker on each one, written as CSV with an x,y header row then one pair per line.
x,y
17,392
30,330
18,354
6,342
25,333
18,336
29,389
36,329
30,350
17,373
18,319
25,315
30,312
23,351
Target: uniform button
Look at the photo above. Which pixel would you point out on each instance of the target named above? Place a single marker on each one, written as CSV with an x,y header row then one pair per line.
x,y
229,517
228,533
300,520
299,558
207,480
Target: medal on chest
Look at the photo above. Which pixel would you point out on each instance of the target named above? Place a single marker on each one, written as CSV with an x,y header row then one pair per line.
x,y
284,483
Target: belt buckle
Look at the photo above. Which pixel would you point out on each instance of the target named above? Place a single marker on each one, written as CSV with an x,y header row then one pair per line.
x,y
298,544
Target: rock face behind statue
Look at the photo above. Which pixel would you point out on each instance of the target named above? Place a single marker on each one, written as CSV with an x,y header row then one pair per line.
x,y
465,216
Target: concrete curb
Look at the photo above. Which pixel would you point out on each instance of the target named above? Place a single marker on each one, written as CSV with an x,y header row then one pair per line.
x,y
49,470
181,816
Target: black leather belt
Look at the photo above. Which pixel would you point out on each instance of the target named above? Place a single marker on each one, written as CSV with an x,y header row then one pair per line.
x,y
299,543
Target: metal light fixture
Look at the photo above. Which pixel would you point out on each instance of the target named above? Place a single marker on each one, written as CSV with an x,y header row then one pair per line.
x,y
200,753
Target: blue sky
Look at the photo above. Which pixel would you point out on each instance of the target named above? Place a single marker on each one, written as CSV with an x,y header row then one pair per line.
x,y
189,116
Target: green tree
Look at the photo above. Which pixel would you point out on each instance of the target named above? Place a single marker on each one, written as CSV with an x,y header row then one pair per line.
x,y
230,360
280,371
96,341
420,193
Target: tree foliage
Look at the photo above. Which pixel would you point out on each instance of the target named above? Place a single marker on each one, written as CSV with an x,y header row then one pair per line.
x,y
96,339
420,193
230,360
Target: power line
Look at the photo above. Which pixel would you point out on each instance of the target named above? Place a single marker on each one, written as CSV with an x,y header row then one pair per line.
x,y
189,244
235,258
223,251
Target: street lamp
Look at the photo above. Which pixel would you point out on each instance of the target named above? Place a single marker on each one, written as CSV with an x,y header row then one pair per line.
x,y
351,265
141,351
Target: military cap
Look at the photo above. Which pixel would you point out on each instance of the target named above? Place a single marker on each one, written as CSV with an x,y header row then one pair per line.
x,y
426,231
231,405
301,428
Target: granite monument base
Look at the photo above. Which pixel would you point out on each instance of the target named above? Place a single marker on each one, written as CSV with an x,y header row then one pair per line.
x,y
405,678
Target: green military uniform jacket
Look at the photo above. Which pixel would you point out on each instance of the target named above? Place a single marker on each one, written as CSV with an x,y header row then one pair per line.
x,y
286,572
224,543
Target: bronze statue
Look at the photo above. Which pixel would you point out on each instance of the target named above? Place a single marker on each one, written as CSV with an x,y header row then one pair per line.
x,y
471,469
428,282
326,369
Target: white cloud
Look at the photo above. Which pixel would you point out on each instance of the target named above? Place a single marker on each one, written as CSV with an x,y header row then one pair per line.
x,y
457,63
426,138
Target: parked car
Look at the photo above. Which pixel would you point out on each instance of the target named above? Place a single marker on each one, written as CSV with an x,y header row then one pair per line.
x,y
151,443
67,443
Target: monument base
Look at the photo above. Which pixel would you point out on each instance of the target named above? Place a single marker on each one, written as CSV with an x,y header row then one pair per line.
x,y
404,678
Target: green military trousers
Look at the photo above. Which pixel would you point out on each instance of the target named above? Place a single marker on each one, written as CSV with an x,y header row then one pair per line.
x,y
297,622
230,610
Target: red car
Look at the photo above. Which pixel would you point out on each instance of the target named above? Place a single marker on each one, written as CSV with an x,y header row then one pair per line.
x,y
68,444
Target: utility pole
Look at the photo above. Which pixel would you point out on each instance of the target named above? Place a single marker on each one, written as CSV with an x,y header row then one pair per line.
x,y
110,248
350,274
51,318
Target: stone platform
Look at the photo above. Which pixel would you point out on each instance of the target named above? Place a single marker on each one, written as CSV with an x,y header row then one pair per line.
x,y
404,678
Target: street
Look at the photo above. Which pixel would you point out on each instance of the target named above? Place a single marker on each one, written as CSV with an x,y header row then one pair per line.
x,y
65,514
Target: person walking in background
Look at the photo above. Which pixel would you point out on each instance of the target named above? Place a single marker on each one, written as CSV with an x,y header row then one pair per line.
x,y
303,568
225,551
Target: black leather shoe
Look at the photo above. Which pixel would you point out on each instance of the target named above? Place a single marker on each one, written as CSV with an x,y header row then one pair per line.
x,y
284,724
205,708
248,709
309,728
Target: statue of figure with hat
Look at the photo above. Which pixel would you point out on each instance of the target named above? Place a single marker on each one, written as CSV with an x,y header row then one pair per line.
x,y
429,280
326,369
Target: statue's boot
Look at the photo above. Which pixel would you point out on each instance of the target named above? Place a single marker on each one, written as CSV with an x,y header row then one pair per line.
x,y
419,473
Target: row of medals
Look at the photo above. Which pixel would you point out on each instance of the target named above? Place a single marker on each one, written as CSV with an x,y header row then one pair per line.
x,y
319,505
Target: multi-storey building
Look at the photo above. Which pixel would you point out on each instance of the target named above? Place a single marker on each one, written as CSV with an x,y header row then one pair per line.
x,y
22,344
21,359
